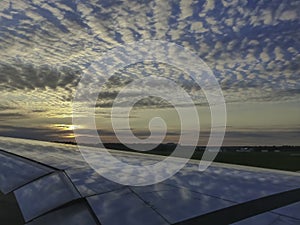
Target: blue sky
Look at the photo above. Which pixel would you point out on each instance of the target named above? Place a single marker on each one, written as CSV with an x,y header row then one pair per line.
x,y
252,48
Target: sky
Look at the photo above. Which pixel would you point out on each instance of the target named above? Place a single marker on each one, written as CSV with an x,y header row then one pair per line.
x,y
252,48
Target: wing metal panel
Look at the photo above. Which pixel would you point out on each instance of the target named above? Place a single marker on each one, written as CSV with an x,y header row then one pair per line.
x,y
89,182
17,171
52,154
176,204
76,214
123,207
245,210
292,211
268,219
234,184
45,194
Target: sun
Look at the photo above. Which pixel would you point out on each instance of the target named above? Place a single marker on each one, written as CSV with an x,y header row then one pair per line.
x,y
66,127
72,127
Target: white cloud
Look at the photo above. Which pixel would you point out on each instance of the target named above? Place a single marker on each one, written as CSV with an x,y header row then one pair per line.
x,y
264,55
289,15
209,5
229,21
278,54
186,8
198,27
161,15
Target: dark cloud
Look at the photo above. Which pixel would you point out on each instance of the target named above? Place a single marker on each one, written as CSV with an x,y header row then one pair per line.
x,y
45,134
6,107
38,110
5,116
11,114
29,77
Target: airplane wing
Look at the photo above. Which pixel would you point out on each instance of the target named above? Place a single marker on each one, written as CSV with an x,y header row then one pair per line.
x,y
53,185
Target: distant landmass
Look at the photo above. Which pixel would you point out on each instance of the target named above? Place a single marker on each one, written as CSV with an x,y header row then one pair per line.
x,y
285,157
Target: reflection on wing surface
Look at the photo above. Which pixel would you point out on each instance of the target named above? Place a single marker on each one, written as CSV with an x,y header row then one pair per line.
x,y
65,190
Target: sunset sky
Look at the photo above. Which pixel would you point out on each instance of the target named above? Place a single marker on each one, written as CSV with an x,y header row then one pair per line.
x,y
252,47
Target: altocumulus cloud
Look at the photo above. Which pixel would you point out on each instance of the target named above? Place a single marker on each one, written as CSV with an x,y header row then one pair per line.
x,y
252,47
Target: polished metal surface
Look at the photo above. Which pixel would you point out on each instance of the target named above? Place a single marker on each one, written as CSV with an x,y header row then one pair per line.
x,y
75,214
45,194
17,171
124,207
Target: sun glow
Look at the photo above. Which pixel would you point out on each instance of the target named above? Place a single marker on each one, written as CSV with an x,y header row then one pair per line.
x,y
66,127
